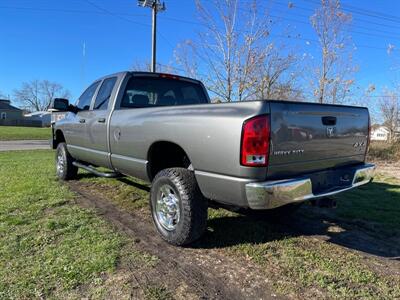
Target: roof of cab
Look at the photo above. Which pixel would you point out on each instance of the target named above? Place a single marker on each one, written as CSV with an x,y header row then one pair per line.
x,y
123,73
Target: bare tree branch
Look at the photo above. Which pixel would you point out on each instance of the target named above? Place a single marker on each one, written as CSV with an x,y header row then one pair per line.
x,y
389,107
332,75
36,95
235,52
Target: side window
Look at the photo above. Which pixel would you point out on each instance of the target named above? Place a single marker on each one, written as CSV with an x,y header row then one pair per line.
x,y
86,98
104,94
3,115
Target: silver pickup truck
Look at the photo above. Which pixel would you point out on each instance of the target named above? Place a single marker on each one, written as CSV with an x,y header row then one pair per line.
x,y
255,155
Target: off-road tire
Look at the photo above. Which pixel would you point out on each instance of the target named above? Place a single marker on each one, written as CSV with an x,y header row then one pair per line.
x,y
193,206
69,171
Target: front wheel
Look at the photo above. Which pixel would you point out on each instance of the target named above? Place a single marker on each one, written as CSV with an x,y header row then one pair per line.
x,y
178,207
64,168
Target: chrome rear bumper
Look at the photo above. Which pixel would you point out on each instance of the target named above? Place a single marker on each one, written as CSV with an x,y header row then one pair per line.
x,y
272,194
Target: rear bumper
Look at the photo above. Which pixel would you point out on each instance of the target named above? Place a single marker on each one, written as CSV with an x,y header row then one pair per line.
x,y
272,194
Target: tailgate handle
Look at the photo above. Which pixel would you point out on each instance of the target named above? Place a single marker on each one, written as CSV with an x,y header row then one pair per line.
x,y
329,121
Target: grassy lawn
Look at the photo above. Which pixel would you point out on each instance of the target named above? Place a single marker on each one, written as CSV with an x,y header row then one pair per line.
x,y
49,247
305,265
11,133
295,262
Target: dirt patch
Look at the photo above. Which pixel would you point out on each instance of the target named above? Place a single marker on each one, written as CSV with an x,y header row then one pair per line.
x,y
190,273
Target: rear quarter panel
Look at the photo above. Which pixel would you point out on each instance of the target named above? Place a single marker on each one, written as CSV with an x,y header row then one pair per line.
x,y
210,134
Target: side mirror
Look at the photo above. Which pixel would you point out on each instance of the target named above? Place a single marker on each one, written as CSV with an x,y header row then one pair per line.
x,y
59,104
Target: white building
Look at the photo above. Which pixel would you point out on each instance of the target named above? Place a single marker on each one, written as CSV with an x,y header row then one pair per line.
x,y
380,133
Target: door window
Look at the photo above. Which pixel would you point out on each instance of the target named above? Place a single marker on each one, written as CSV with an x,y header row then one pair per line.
x,y
87,96
104,94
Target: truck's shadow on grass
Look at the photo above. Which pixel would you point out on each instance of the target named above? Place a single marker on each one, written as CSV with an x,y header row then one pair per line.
x,y
367,219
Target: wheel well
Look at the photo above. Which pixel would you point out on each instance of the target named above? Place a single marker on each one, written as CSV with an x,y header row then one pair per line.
x,y
163,155
58,138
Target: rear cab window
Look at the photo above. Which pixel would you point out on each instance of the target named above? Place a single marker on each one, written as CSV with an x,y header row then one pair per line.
x,y
148,91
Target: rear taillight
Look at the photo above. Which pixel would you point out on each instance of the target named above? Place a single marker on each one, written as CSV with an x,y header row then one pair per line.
x,y
255,142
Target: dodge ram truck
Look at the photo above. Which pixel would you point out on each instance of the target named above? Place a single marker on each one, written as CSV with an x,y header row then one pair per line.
x,y
254,155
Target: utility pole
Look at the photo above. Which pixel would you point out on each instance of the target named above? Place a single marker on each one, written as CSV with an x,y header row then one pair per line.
x,y
156,7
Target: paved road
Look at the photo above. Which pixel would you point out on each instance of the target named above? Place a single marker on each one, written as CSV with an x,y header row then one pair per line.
x,y
23,145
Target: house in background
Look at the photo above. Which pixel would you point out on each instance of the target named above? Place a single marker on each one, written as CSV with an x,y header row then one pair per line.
x,y
13,116
9,115
380,133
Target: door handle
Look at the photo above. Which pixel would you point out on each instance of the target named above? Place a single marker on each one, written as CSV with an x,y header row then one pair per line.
x,y
82,120
101,120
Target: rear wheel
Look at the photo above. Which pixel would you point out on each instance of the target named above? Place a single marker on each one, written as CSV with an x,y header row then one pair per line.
x,y
178,208
64,167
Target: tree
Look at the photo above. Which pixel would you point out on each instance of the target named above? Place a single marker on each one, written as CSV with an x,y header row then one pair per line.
x,y
389,107
37,94
275,77
235,50
333,74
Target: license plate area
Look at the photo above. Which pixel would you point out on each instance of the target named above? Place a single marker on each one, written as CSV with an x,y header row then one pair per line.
x,y
326,181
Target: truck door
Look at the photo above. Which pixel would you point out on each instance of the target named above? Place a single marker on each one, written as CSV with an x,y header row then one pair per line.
x,y
77,128
97,124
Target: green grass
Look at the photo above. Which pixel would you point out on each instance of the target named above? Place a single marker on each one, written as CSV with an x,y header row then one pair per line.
x,y
11,133
128,193
297,263
48,245
376,205
155,292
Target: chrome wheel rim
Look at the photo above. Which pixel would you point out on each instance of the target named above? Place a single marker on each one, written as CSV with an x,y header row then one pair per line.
x,y
167,208
60,164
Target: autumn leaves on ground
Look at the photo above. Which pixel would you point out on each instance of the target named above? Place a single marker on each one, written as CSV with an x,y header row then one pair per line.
x,y
94,238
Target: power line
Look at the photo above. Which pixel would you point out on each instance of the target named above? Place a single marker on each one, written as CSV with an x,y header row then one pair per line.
x,y
106,11
120,16
127,20
363,12
313,10
355,26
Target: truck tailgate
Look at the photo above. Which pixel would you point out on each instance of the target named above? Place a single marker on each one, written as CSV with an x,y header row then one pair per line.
x,y
307,137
